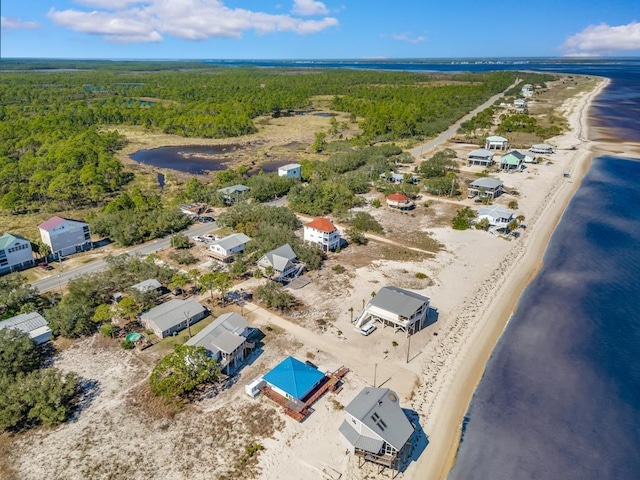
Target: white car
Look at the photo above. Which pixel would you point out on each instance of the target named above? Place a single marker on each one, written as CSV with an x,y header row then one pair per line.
x,y
368,329
197,239
209,238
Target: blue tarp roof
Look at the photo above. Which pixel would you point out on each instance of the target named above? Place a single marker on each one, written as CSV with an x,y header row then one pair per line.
x,y
293,377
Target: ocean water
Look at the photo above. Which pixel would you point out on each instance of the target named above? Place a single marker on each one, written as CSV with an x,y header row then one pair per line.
x,y
560,396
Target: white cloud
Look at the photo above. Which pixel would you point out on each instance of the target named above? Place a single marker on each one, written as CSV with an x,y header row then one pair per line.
x,y
13,23
407,38
604,39
111,4
309,7
149,20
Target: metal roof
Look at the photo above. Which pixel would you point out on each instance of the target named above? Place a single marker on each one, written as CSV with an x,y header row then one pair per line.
x,y
321,223
232,241
8,238
147,286
495,211
224,334
487,182
398,301
279,258
289,166
26,322
480,153
362,442
57,221
496,138
234,189
379,409
173,312
293,377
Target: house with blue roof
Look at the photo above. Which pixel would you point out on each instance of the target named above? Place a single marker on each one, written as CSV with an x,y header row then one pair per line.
x,y
293,379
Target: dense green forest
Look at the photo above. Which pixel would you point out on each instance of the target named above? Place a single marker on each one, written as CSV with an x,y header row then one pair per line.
x,y
53,150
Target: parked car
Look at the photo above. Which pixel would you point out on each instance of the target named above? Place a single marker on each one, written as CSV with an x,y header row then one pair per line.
x,y
45,266
205,219
209,238
197,238
368,329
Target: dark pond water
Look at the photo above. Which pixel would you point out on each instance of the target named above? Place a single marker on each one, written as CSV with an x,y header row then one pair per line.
x,y
270,167
196,159
161,180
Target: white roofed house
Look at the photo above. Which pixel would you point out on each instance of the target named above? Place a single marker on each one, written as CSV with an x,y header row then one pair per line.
x,y
15,253
402,309
541,148
225,248
292,170
480,157
173,316
225,340
65,236
497,215
486,187
376,428
284,262
33,324
495,142
322,232
395,177
151,285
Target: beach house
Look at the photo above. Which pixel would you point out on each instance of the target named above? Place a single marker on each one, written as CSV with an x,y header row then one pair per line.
x,y
497,215
486,187
172,316
376,428
231,195
147,286
225,340
395,177
399,201
495,142
284,262
515,160
481,157
541,148
65,236
291,170
225,248
15,253
322,232
33,324
293,379
401,309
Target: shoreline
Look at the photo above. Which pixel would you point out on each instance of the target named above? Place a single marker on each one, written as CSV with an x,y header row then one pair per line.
x,y
458,378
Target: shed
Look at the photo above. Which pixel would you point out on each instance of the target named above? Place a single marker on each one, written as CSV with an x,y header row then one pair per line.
x,y
33,324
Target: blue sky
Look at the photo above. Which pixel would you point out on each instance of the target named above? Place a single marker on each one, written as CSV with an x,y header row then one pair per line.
x,y
313,29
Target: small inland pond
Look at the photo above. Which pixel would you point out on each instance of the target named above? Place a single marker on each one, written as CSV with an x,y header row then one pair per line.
x,y
194,159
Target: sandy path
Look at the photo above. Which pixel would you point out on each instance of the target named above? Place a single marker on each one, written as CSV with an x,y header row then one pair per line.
x,y
459,359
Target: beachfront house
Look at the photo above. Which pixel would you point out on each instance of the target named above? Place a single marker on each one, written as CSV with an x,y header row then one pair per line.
x,y
225,340
515,160
395,177
401,309
486,187
172,316
527,90
399,201
495,142
225,248
498,216
231,195
322,232
33,324
292,170
284,262
15,253
65,236
293,379
376,429
541,148
481,157
520,104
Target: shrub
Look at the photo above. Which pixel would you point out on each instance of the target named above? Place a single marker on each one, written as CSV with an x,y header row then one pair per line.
x,y
182,371
180,240
376,203
126,344
513,205
338,269
365,222
394,343
421,275
183,258
356,236
107,330
463,217
275,296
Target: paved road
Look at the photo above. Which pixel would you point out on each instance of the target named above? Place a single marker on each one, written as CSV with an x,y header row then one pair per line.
x,y
59,280
450,132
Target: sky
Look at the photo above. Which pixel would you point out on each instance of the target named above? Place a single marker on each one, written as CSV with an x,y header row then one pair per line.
x,y
313,29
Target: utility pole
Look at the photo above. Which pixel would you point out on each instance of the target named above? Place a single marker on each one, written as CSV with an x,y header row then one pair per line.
x,y
408,347
188,319
375,371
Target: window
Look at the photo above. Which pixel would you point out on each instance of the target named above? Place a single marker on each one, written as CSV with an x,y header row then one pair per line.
x,y
378,421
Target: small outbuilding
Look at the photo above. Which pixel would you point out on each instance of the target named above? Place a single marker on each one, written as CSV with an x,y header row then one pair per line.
x,y
292,170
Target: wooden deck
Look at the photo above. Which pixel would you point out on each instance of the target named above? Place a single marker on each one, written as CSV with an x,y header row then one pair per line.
x,y
300,410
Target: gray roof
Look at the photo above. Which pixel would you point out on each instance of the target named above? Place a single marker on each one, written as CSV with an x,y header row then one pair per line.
x,y
480,153
398,301
487,182
234,189
223,334
496,138
280,257
232,241
519,155
147,286
495,211
173,312
362,442
25,322
379,409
